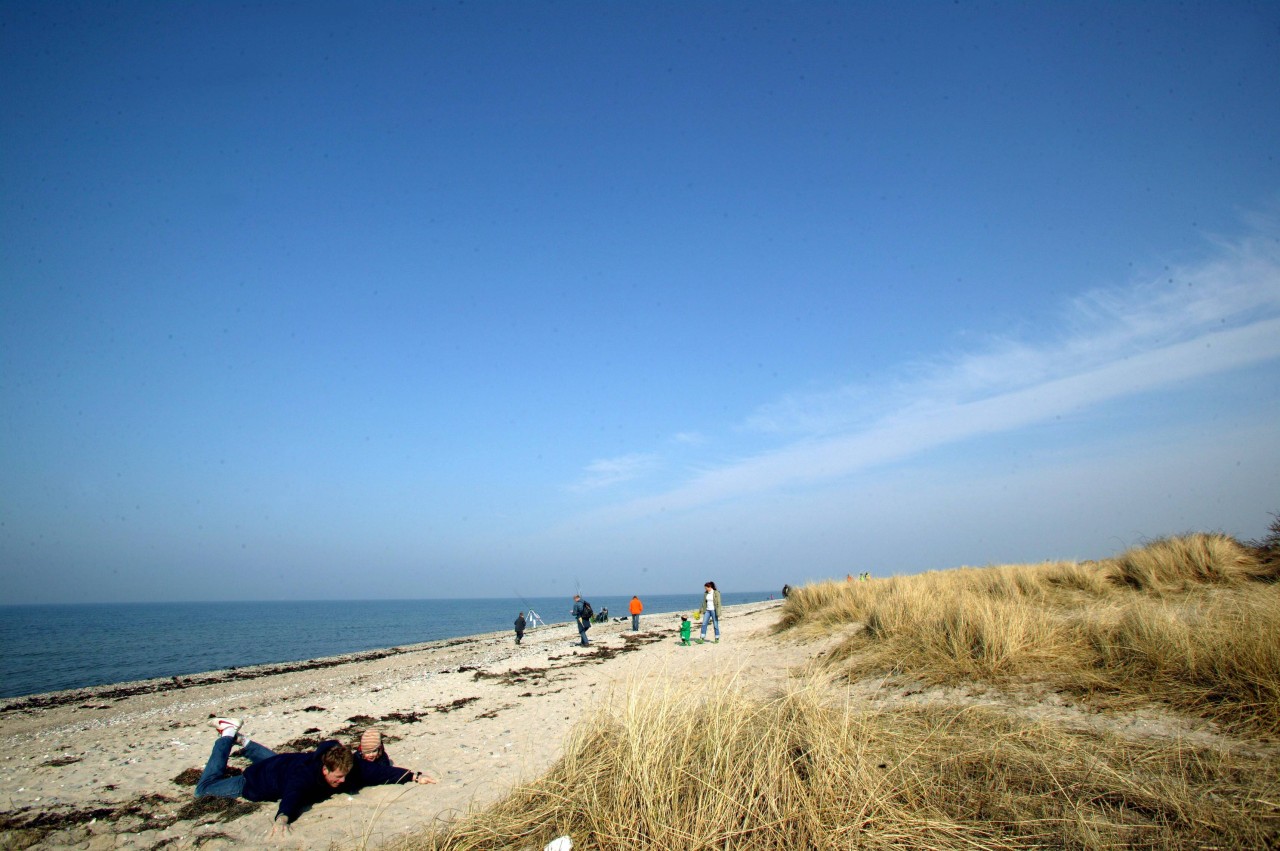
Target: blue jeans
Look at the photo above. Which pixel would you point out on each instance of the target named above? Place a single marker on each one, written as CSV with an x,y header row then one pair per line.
x,y
635,623
714,617
214,782
583,626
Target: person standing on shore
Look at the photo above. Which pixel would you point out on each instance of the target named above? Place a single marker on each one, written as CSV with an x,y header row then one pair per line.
x,y
636,608
296,780
520,625
582,614
710,611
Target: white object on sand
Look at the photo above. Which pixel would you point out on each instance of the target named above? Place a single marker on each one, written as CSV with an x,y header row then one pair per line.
x,y
563,843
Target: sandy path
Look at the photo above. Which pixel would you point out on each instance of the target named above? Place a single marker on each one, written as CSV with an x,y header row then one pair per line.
x,y
96,768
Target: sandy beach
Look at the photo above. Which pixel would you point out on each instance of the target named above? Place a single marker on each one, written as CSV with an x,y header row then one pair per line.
x,y
115,766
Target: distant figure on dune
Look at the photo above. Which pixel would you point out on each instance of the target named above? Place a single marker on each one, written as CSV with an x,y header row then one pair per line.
x,y
786,591
296,780
710,611
520,625
636,608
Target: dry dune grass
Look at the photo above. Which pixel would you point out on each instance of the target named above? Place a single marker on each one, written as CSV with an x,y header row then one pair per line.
x,y
1183,564
808,770
1191,624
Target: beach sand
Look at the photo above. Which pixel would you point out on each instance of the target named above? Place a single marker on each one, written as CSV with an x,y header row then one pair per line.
x,y
115,766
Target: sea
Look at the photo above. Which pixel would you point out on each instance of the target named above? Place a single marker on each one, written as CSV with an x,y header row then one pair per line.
x,y
47,648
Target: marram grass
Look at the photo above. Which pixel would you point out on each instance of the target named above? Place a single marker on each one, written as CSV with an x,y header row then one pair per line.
x,y
1192,623
715,769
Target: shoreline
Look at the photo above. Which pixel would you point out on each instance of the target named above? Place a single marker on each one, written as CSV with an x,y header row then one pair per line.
x,y
114,766
155,685
186,644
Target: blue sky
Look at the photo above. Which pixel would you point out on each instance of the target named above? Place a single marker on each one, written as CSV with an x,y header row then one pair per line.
x,y
333,300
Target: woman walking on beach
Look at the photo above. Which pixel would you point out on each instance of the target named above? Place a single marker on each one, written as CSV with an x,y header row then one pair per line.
x,y
710,610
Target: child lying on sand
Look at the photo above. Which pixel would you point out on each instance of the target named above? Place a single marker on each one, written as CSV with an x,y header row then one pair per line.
x,y
296,780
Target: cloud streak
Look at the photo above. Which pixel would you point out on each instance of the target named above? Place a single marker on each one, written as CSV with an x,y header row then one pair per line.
x,y
1193,323
605,472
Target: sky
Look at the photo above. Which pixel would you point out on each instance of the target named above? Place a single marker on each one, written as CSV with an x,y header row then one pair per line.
x,y
400,300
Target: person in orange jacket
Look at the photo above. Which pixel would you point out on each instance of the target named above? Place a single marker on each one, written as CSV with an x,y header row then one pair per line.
x,y
636,608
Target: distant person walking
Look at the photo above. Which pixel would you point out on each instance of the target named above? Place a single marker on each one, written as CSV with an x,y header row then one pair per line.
x,y
710,611
636,608
582,614
520,625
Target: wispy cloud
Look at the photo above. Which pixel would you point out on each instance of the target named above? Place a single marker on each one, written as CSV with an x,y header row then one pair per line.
x,y
1189,323
604,472
1239,285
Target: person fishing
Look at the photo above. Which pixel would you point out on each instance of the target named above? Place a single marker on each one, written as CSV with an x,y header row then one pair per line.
x,y
582,614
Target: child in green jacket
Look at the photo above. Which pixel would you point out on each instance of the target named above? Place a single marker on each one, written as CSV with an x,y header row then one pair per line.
x,y
686,629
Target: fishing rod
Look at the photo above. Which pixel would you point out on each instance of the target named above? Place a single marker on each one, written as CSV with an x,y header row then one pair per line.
x,y
534,618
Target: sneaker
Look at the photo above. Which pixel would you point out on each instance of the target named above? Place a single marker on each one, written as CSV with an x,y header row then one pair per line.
x,y
717,641
700,640
225,725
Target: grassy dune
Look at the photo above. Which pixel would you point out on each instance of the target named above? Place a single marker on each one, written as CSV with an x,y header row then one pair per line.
x,y
1192,623
970,708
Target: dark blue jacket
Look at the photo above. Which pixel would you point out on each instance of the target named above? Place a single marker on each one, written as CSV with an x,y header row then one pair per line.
x,y
379,772
382,757
296,780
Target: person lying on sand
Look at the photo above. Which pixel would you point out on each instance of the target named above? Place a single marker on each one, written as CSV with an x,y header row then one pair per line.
x,y
370,747
296,780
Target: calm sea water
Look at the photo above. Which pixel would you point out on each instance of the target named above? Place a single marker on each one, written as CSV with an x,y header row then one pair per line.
x,y
51,648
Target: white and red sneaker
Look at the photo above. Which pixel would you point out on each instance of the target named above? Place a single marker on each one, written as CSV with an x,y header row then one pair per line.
x,y
226,726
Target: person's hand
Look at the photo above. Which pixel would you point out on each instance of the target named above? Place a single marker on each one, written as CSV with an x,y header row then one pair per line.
x,y
423,778
280,828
